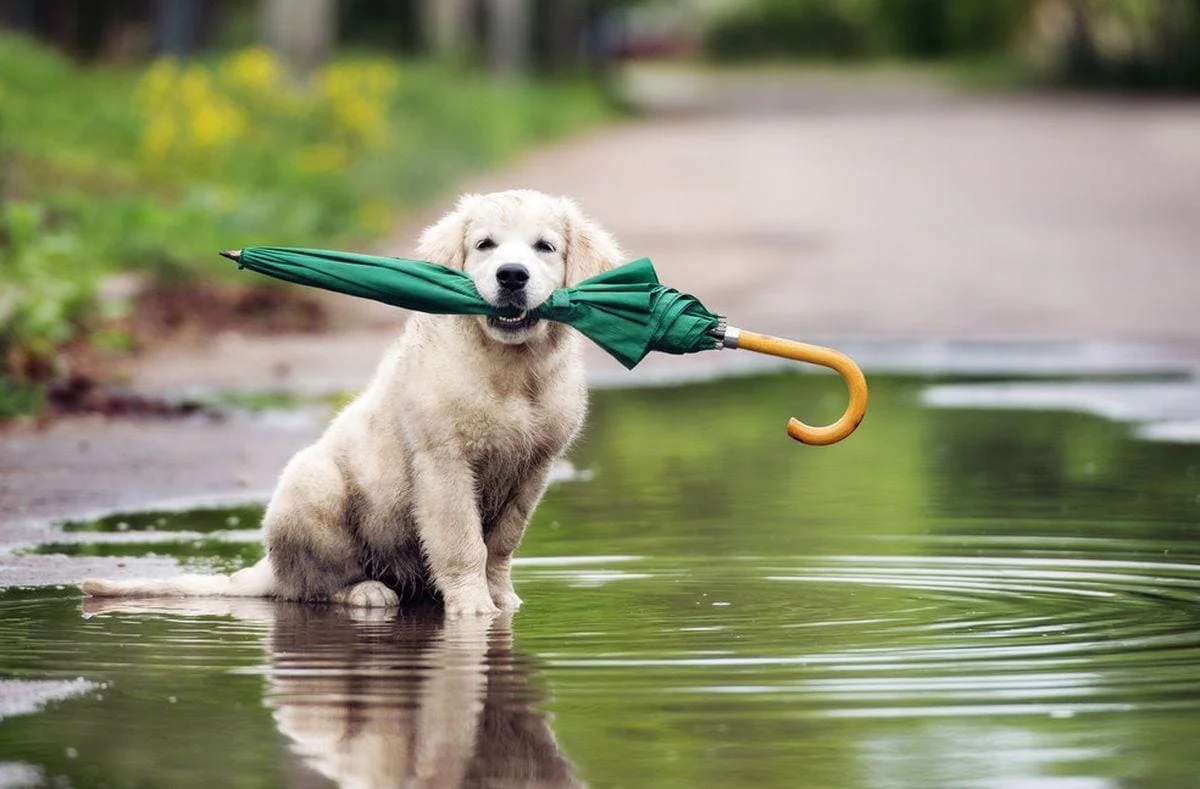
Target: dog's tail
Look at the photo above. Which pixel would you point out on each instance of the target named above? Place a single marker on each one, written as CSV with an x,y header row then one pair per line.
x,y
256,581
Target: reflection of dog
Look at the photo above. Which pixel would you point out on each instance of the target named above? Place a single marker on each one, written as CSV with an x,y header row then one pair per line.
x,y
394,700
426,481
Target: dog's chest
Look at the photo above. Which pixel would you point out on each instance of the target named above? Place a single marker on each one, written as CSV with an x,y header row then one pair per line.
x,y
515,426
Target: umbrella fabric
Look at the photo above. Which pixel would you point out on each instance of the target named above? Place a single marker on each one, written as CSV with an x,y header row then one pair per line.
x,y
625,310
410,284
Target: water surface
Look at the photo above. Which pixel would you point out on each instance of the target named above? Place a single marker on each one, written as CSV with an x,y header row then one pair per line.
x,y
949,598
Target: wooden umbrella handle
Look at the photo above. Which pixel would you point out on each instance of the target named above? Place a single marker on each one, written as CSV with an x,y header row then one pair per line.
x,y
813,354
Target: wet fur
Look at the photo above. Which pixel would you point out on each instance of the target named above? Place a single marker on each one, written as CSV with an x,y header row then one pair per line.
x,y
424,484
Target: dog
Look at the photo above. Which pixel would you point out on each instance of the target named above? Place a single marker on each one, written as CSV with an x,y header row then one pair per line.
x,y
423,485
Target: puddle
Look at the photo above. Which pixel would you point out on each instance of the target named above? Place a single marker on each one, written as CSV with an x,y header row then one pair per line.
x,y
1159,410
216,539
203,519
953,597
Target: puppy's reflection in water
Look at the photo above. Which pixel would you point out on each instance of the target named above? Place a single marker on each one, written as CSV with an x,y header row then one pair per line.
x,y
375,699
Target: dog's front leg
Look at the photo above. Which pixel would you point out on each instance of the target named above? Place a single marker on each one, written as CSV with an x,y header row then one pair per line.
x,y
451,531
506,535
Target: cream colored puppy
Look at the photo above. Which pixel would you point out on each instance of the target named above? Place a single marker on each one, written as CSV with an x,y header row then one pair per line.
x,y
425,482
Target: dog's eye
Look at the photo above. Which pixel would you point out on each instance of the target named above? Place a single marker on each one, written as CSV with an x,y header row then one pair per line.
x,y
485,244
542,245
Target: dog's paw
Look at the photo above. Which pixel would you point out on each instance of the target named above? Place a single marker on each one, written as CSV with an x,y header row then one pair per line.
x,y
470,603
97,588
506,599
368,594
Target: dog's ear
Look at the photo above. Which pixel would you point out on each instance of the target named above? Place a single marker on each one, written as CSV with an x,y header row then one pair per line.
x,y
443,242
590,248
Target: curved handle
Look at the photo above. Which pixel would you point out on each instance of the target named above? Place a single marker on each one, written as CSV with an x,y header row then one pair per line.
x,y
813,354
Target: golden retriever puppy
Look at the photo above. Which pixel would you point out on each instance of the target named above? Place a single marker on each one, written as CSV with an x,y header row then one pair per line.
x,y
423,485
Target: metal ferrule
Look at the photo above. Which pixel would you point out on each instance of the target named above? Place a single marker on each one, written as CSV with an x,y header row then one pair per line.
x,y
726,336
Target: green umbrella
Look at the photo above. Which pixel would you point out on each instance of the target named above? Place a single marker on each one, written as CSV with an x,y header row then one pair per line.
x,y
626,311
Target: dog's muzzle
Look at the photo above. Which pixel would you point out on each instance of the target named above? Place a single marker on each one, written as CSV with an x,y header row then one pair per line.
x,y
511,299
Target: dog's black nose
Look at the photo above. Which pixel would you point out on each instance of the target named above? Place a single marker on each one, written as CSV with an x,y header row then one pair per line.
x,y
512,276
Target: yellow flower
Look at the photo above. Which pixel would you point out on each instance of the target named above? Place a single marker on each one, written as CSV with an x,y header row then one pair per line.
x,y
215,123
194,86
255,68
358,115
322,159
158,137
158,82
357,94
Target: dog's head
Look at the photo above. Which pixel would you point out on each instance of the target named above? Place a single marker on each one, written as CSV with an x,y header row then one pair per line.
x,y
518,247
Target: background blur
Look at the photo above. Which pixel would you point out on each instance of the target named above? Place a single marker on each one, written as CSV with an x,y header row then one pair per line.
x,y
139,136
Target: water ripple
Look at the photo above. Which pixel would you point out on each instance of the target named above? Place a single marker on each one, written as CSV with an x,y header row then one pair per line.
x,y
961,635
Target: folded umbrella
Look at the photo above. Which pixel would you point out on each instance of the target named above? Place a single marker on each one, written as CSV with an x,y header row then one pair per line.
x,y
626,311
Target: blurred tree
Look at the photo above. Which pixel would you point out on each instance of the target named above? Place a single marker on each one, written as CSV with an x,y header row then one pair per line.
x,y
390,25
1131,44
178,25
1080,47
509,37
562,24
118,28
303,31
448,26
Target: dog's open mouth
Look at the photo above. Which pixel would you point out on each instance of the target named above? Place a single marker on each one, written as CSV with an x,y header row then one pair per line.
x,y
519,321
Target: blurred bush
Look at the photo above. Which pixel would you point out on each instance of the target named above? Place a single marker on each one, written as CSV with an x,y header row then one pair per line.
x,y
866,28
789,28
153,170
1127,44
1131,44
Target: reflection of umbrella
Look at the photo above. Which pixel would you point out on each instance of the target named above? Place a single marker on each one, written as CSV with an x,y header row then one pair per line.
x,y
626,311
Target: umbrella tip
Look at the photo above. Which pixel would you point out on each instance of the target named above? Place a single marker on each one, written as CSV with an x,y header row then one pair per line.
x,y
233,254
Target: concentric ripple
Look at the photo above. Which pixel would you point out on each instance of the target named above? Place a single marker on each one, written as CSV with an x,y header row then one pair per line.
x,y
1067,635
898,636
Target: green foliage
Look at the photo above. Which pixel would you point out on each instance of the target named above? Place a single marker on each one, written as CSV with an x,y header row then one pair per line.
x,y
47,297
867,28
151,170
941,28
775,28
1132,44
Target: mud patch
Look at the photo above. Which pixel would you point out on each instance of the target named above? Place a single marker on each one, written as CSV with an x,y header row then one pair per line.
x,y
83,393
191,311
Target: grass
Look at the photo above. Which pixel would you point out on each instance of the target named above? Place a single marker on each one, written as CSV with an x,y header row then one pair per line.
x,y
151,170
